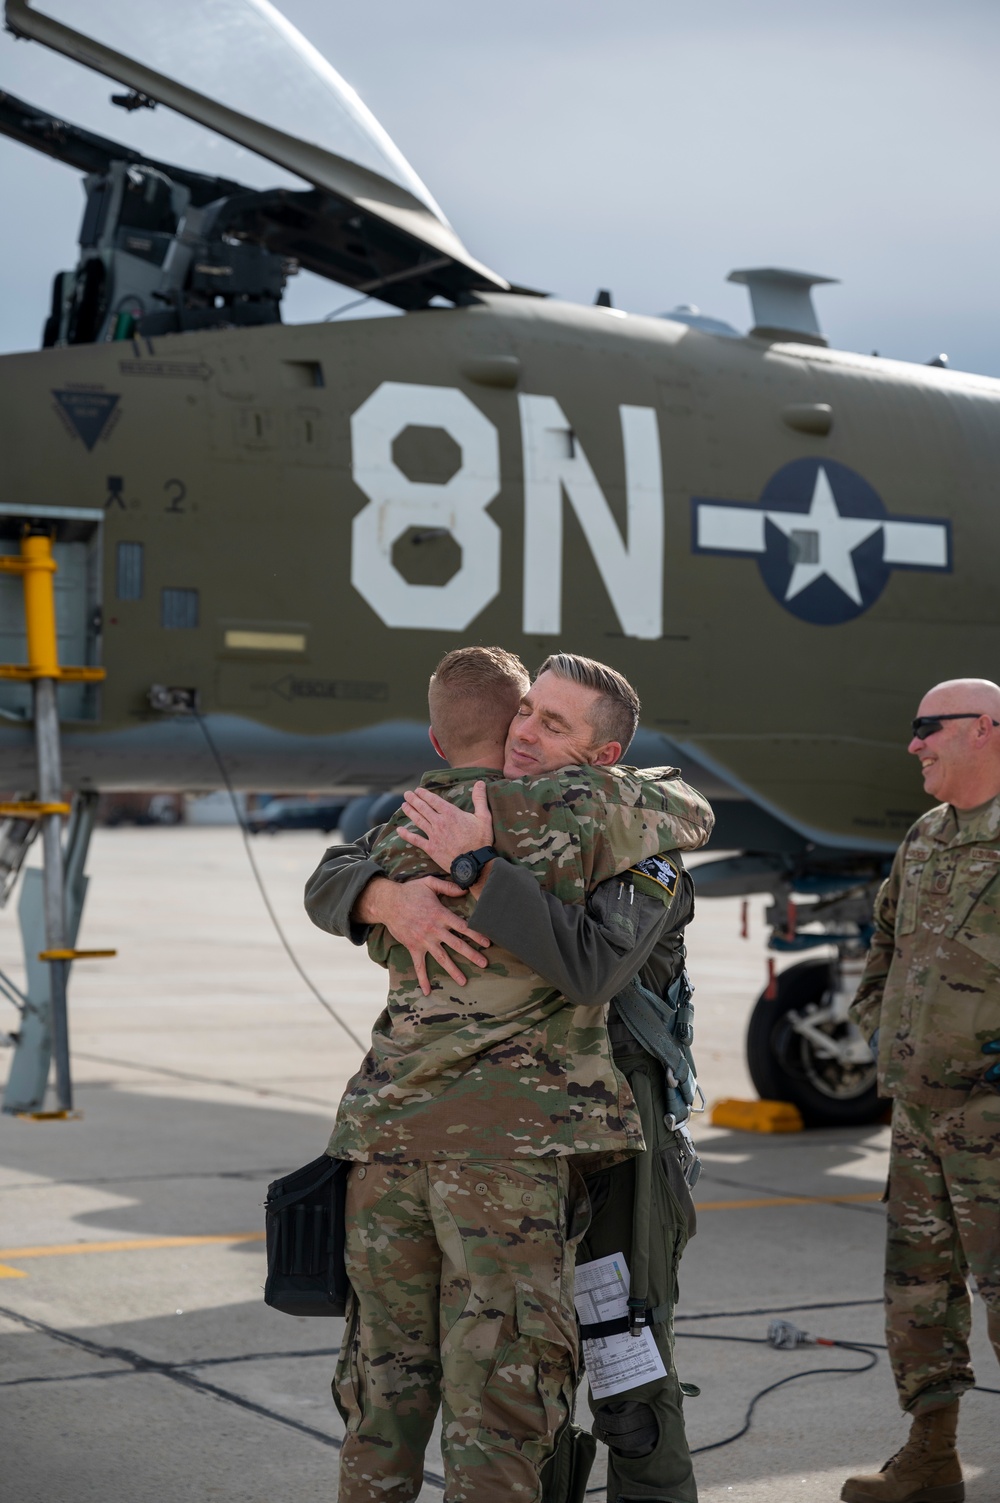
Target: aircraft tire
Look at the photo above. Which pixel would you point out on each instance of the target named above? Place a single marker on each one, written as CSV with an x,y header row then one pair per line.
x,y
354,822
784,1066
384,807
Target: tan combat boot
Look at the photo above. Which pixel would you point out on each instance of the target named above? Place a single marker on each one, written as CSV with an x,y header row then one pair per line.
x,y
926,1470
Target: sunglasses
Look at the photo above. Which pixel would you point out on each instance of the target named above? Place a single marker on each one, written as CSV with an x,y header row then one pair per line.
x,y
929,725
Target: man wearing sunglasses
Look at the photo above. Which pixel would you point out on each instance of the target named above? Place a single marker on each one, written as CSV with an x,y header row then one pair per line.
x,y
929,1004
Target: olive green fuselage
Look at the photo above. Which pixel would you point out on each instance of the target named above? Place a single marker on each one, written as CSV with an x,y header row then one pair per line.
x,y
349,501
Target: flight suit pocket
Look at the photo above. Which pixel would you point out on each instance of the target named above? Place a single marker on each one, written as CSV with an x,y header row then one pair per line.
x,y
677,1216
528,1393
677,1186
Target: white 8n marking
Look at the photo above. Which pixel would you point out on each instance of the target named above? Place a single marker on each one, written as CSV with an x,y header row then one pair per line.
x,y
397,503
556,470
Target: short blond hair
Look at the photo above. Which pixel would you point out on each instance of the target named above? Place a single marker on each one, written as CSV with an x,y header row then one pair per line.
x,y
616,714
473,696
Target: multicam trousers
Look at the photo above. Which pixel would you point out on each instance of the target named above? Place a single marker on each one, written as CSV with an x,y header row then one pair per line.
x,y
944,1221
462,1278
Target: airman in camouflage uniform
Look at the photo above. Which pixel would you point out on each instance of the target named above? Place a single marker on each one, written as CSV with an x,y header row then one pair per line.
x,y
470,1115
929,1002
503,1068
466,1123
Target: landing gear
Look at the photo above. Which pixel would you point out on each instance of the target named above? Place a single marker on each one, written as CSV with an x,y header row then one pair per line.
x,y
364,813
802,1046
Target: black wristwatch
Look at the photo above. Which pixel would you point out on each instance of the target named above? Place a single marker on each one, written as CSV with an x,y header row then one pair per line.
x,y
466,868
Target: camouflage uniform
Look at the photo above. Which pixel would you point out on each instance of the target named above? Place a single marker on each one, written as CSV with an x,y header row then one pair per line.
x,y
462,1228
502,1067
932,988
462,1272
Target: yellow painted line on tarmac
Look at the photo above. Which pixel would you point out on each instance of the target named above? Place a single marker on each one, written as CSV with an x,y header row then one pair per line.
x,y
151,1244
139,1244
785,1200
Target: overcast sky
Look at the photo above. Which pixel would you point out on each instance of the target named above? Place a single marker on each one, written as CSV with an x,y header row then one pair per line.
x,y
648,146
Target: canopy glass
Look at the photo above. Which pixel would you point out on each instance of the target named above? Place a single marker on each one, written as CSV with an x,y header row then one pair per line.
x,y
246,55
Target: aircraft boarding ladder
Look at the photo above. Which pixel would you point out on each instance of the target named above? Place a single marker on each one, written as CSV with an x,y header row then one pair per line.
x,y
44,1031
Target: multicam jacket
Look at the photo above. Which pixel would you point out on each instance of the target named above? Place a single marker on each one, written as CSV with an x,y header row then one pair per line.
x,y
932,980
504,1066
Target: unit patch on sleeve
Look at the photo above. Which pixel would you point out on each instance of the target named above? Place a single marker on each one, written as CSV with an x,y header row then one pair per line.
x,y
659,870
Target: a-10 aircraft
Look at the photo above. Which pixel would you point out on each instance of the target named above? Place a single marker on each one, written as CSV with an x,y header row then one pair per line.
x,y
271,534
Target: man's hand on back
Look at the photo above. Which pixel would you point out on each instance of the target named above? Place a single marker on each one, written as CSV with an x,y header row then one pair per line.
x,y
415,917
445,831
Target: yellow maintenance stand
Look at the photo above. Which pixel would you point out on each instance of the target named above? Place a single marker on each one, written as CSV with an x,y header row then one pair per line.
x,y
36,567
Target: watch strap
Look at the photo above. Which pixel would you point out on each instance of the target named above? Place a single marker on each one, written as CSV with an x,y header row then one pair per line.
x,y
479,858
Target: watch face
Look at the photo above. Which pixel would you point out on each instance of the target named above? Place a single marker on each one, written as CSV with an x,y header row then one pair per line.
x,y
464,870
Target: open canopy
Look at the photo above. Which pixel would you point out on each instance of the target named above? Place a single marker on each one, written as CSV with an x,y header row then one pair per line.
x,y
239,68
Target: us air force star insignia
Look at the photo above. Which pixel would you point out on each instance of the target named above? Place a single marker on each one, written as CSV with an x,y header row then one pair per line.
x,y
659,870
825,544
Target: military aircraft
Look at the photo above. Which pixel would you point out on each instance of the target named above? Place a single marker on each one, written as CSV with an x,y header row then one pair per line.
x,y
266,535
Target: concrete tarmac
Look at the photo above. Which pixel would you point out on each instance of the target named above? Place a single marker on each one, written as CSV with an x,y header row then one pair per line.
x,y
138,1359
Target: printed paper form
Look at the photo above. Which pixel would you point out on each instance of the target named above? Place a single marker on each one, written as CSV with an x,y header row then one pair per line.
x,y
614,1363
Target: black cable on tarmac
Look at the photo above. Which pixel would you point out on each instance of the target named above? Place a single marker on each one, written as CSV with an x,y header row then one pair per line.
x,y
810,1372
245,832
868,1349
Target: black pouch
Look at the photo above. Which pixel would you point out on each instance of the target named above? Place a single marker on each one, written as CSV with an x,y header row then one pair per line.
x,y
565,1475
304,1220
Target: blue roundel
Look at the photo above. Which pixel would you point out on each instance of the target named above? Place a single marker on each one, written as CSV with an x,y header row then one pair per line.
x,y
823,556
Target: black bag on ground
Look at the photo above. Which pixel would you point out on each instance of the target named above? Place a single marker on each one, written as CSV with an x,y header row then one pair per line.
x,y
304,1220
